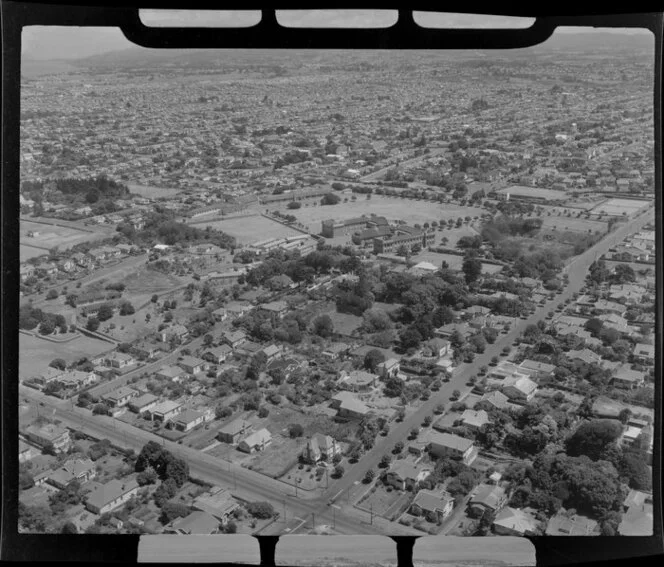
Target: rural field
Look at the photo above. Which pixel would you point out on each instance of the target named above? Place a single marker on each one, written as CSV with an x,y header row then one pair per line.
x,y
49,236
35,354
408,210
251,229
26,252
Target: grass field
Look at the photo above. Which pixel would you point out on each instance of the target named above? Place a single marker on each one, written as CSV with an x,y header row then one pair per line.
x,y
573,223
150,191
26,252
616,207
452,260
49,236
143,283
408,210
251,229
35,354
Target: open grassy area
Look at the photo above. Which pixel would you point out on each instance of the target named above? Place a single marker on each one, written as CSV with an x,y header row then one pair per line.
x,y
35,353
408,210
150,191
48,236
573,223
278,456
251,229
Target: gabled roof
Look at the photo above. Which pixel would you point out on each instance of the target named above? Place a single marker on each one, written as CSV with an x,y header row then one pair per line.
x,y
106,493
431,501
198,522
258,437
488,495
516,519
452,441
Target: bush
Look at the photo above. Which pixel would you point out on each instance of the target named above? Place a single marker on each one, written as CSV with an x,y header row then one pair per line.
x,y
52,294
295,430
260,510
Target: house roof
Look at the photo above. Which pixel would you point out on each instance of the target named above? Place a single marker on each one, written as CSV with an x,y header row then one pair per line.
x,y
431,501
271,350
166,406
535,365
191,361
171,371
120,393
236,426
257,437
188,416
220,350
488,494
452,441
523,384
354,405
218,503
324,442
562,525
496,398
110,491
475,418
516,519
198,522
406,469
144,400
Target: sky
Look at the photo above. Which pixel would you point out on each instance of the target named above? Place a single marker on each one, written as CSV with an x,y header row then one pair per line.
x,y
55,42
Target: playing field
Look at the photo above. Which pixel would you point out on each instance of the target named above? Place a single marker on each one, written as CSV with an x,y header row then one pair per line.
x,y
251,229
573,224
616,207
48,236
150,191
408,210
34,354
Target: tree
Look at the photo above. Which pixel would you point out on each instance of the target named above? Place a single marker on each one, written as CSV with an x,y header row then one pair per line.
x,y
338,471
472,269
260,510
294,205
592,437
372,359
46,327
323,326
52,294
385,461
172,510
58,363
105,312
69,528
127,308
146,477
330,199
154,298
369,476
295,430
456,394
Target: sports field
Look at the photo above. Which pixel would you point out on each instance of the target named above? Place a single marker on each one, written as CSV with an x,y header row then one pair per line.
x,y
48,236
151,191
574,224
616,207
409,210
251,229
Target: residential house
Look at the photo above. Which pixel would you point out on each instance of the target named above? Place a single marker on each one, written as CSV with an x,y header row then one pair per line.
x,y
47,269
335,350
174,332
491,497
80,470
217,355
626,378
389,368
495,399
48,375
119,360
76,379
119,397
357,380
232,431
82,260
146,350
446,444
196,523
48,435
321,448
515,522
428,502
111,495
349,406
237,309
165,411
519,390
278,308
644,353
187,420
272,352
505,369
563,524
26,271
536,370
474,420
66,265
220,314
217,502
584,355
637,519
405,475
256,441
436,347
26,452
234,338
172,373
192,365
143,403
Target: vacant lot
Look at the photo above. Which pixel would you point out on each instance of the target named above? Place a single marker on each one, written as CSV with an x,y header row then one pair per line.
x,y
48,236
278,456
384,503
345,323
251,229
34,354
408,210
143,283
